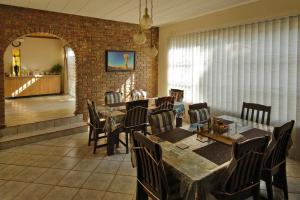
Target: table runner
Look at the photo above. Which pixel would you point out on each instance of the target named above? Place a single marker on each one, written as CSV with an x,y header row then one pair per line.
x,y
216,152
175,135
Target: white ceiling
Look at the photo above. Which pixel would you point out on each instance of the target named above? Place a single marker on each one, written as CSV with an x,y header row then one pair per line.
x,y
165,11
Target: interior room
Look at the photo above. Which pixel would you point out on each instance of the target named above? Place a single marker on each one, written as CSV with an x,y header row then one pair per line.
x,y
150,99
40,76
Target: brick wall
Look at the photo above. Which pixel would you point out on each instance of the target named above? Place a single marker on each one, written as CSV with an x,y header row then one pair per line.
x,y
89,38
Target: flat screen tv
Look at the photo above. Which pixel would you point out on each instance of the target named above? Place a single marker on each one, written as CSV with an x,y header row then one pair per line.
x,y
120,60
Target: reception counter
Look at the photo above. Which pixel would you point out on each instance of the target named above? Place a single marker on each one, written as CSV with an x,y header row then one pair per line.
x,y
32,85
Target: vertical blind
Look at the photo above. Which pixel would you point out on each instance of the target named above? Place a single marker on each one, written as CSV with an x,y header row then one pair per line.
x,y
256,63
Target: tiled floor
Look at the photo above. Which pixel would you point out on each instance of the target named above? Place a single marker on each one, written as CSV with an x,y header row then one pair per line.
x,y
33,109
65,168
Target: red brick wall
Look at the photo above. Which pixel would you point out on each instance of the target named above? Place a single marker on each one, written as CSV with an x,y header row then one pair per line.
x,y
89,38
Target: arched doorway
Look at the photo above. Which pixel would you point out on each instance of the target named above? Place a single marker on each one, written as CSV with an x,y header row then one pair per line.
x,y
40,79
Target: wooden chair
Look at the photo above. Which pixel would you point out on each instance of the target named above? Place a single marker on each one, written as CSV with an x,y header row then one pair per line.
x,y
133,104
113,97
242,177
152,179
197,106
162,121
96,131
164,101
177,94
275,159
135,120
252,107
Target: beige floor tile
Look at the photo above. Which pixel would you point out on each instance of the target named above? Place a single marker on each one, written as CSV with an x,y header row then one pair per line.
x,y
293,185
46,161
9,158
98,181
294,196
11,171
61,193
85,194
117,196
22,160
2,166
108,166
34,191
127,169
74,179
2,182
66,163
115,157
59,151
29,174
78,152
52,176
87,165
293,170
11,189
123,184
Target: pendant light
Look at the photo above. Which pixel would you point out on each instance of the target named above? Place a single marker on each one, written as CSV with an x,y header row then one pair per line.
x,y
151,51
140,37
146,21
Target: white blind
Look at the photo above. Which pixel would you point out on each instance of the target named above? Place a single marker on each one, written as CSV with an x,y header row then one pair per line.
x,y
257,63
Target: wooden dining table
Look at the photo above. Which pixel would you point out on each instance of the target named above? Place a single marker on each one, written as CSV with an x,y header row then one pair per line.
x,y
199,162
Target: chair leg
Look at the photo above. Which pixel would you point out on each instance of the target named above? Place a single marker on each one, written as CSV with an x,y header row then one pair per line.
x,y
280,181
95,141
256,193
126,142
140,193
90,136
269,186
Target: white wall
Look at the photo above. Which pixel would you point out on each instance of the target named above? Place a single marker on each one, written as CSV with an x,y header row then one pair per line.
x,y
37,54
71,68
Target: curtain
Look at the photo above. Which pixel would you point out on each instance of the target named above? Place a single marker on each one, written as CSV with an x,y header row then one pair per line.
x,y
256,63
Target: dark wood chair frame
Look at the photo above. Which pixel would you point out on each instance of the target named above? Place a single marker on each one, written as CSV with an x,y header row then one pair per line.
x,y
135,120
176,91
275,162
252,107
96,127
244,180
197,106
151,176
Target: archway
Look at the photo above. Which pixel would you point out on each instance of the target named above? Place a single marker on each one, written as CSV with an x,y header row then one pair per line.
x,y
38,88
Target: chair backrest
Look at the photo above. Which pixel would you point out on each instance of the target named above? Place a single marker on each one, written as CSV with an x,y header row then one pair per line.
x,y
199,112
258,108
93,115
162,121
177,94
113,97
279,146
246,165
164,100
133,104
150,169
138,94
136,117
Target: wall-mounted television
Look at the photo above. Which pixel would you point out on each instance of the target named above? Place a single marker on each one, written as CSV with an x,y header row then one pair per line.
x,y
120,60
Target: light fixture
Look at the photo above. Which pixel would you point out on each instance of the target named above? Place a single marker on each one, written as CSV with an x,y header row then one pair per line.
x,y
151,51
139,37
146,21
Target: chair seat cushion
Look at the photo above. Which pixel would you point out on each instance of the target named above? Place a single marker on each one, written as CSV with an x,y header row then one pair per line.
x,y
199,115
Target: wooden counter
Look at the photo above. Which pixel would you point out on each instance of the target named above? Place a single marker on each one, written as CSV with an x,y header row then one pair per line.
x,y
32,85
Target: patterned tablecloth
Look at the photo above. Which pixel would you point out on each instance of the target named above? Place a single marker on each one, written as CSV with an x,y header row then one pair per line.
x,y
198,175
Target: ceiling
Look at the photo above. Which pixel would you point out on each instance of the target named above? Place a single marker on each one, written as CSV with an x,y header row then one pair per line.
x,y
165,11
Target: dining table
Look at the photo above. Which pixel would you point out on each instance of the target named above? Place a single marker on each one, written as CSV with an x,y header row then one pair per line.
x,y
198,161
114,115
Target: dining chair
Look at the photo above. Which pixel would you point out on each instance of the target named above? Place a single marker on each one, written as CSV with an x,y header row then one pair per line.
x,y
177,94
274,167
96,125
135,120
258,108
152,179
169,100
242,177
113,97
136,103
162,121
138,94
199,113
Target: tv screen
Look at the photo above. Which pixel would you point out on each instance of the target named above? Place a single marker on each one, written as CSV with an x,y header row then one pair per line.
x,y
120,60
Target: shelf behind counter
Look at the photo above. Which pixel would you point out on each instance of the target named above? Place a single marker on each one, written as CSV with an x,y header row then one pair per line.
x,y
22,86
